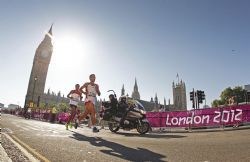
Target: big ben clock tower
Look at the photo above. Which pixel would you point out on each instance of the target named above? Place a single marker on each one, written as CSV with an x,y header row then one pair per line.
x,y
39,70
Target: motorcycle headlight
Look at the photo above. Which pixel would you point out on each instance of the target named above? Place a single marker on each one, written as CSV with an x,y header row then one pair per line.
x,y
143,112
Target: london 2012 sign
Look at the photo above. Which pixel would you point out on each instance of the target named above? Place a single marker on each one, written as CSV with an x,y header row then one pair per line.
x,y
202,117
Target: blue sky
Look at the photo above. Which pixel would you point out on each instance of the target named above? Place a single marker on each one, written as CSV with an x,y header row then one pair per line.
x,y
205,41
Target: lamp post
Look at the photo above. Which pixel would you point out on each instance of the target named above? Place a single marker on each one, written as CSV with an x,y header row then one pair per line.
x,y
247,96
35,79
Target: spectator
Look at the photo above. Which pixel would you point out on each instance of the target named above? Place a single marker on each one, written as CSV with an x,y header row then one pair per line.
x,y
53,114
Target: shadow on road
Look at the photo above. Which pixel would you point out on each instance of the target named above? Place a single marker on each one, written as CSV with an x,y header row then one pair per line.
x,y
120,151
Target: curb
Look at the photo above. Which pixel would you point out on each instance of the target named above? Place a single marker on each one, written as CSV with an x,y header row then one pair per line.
x,y
4,156
22,149
202,130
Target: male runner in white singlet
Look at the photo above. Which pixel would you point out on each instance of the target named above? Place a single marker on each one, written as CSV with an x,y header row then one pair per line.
x,y
91,90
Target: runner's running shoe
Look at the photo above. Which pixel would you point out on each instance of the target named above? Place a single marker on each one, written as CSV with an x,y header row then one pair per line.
x,y
95,130
67,126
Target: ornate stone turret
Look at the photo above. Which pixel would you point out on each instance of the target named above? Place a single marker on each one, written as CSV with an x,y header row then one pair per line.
x,y
136,94
59,94
123,91
156,99
165,102
179,96
48,93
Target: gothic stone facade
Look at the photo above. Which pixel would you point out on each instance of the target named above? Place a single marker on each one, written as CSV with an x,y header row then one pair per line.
x,y
179,96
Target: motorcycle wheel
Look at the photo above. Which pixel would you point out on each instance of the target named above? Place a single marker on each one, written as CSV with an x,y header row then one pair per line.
x,y
113,127
143,128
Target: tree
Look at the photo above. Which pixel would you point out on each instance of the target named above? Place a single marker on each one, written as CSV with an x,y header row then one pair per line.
x,y
225,95
51,105
63,107
216,103
42,105
238,92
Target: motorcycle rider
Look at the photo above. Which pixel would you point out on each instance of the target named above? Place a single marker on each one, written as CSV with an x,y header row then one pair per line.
x,y
91,90
120,109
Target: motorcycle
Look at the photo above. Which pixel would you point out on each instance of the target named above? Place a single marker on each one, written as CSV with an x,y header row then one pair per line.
x,y
126,113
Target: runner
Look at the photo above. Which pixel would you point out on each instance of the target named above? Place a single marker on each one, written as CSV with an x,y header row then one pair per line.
x,y
91,90
75,97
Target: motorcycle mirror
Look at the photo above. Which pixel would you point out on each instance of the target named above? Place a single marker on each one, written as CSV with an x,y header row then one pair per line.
x,y
112,91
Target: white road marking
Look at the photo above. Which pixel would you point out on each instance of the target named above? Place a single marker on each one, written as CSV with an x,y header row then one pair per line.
x,y
30,127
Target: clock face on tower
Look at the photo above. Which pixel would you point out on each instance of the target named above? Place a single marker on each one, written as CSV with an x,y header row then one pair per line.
x,y
45,53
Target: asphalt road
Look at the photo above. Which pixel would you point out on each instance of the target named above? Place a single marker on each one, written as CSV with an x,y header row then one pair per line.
x,y
82,145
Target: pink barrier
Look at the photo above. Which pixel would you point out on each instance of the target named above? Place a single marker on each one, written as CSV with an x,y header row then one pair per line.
x,y
202,117
62,117
45,116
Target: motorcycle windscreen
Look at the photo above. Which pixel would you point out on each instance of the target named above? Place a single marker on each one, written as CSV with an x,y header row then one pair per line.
x,y
140,106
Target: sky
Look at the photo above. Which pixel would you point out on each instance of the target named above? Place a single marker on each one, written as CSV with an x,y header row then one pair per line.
x,y
205,41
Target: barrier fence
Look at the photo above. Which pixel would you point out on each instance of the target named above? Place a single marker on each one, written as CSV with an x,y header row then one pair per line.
x,y
225,116
41,115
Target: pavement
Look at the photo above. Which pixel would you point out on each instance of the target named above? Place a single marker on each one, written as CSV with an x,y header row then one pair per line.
x,y
3,155
51,142
13,152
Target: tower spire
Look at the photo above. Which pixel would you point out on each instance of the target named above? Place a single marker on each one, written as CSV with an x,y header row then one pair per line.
x,y
136,86
123,90
156,98
135,93
177,76
50,30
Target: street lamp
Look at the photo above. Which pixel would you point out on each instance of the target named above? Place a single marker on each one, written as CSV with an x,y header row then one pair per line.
x,y
247,96
35,79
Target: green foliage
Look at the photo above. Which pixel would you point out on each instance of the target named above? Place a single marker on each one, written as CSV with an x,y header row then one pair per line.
x,y
51,105
238,92
42,105
215,103
62,107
